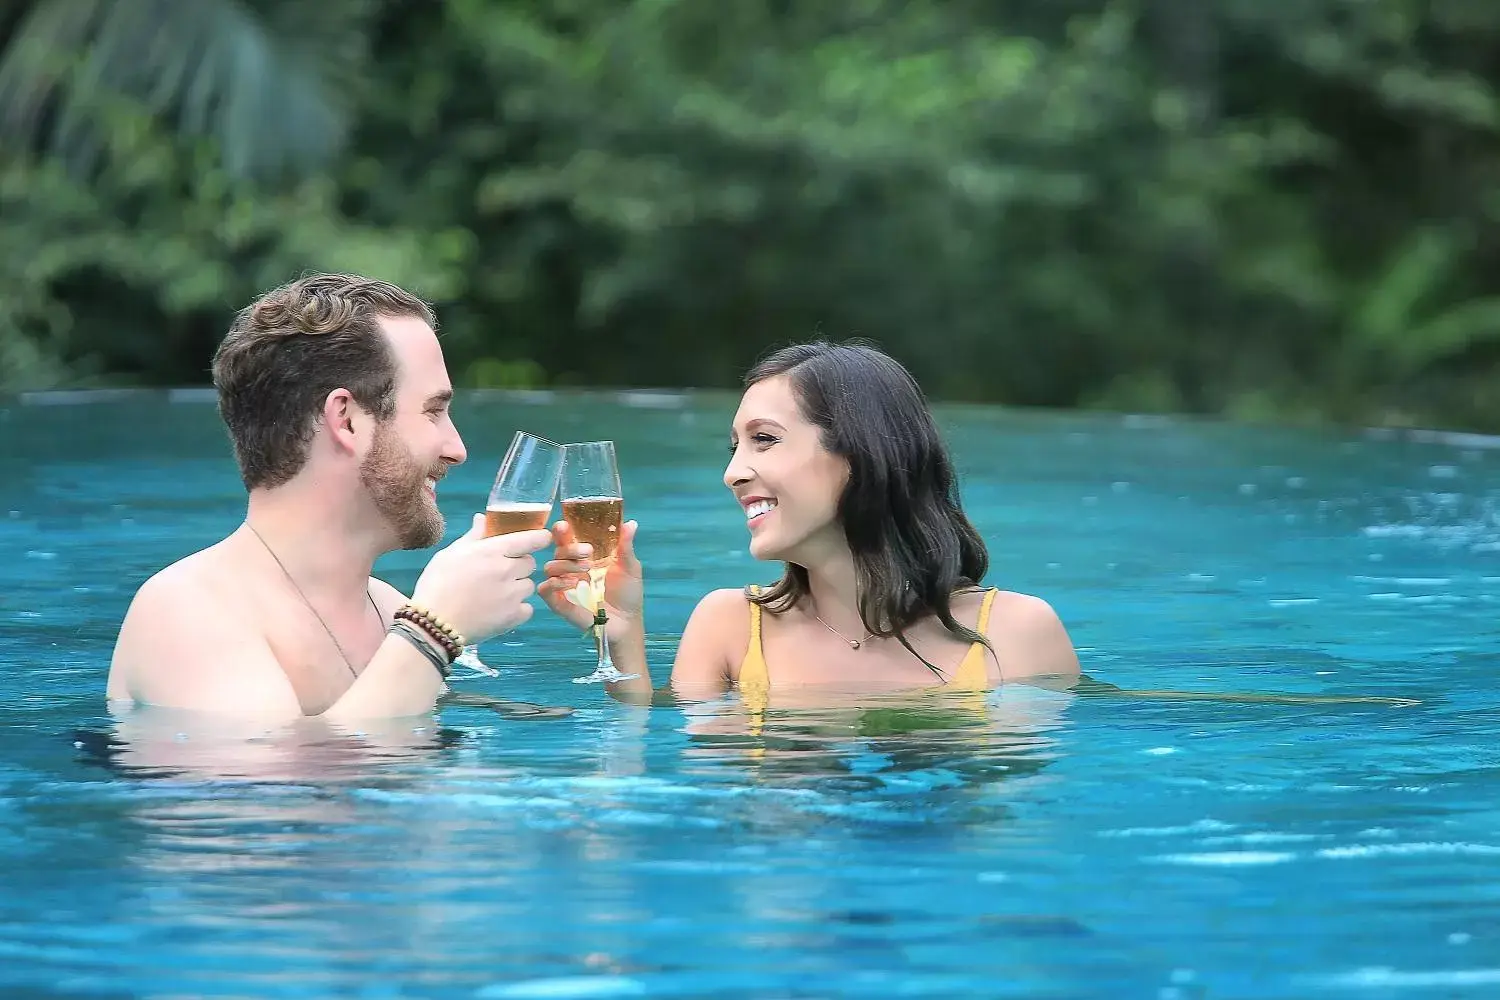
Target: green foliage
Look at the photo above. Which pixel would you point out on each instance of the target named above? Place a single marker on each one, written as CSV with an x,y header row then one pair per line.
x,y
1389,328
1212,205
269,83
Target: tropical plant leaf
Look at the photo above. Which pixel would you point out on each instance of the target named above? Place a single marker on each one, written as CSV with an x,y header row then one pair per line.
x,y
269,89
1447,335
1389,309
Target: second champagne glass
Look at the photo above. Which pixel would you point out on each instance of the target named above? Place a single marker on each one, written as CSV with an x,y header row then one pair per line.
x,y
520,500
594,505
526,485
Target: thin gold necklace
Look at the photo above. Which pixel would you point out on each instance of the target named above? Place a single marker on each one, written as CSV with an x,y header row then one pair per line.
x,y
853,643
292,580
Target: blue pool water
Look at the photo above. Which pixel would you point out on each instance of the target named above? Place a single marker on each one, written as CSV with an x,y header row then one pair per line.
x,y
1078,844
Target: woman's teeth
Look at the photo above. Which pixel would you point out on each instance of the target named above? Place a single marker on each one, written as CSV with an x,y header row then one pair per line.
x,y
758,508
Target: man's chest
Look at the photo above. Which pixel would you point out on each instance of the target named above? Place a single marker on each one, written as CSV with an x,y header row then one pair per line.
x,y
322,661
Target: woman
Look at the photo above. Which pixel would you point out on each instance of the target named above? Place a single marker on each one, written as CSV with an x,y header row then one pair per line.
x,y
843,477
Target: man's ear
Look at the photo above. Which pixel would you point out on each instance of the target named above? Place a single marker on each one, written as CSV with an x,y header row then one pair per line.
x,y
343,419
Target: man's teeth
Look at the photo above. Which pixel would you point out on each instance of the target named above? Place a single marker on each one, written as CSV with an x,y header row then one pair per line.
x,y
432,484
758,508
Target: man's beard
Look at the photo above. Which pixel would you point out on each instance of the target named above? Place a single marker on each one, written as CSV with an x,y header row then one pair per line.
x,y
397,484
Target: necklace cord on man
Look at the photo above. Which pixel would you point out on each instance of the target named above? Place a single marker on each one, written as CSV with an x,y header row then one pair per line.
x,y
292,580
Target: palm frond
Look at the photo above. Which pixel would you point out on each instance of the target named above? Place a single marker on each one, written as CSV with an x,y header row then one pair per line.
x,y
270,90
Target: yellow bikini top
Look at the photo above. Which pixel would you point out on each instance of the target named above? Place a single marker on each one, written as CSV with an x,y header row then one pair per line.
x,y
755,678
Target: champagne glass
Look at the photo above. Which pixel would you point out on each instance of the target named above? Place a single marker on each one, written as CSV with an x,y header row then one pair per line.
x,y
594,506
520,500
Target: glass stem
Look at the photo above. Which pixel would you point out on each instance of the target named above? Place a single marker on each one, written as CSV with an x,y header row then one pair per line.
x,y
601,638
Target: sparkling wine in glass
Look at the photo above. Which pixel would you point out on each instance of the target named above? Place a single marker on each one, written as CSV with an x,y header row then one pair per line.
x,y
520,500
594,506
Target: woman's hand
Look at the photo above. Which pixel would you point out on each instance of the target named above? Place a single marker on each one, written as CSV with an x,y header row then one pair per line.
x,y
624,590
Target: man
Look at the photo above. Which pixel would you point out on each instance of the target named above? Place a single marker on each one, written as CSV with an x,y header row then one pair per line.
x,y
335,394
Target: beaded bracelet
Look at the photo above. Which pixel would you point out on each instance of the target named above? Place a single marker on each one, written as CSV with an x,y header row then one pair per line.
x,y
451,641
411,635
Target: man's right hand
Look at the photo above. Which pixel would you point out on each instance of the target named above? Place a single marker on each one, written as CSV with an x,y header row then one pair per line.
x,y
479,585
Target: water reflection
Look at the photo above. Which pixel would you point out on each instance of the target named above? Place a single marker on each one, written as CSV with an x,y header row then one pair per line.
x,y
170,744
931,740
267,851
151,742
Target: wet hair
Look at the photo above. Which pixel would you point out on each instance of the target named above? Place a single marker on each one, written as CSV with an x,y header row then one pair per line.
x,y
913,545
287,350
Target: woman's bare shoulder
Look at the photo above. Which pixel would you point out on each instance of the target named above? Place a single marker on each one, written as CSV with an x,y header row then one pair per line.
x,y
714,641
1029,637
730,602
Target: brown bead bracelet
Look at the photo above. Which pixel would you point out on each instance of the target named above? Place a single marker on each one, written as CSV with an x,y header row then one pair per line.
x,y
442,633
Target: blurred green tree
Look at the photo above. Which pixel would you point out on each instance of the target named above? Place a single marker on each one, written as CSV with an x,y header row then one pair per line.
x,y
1210,205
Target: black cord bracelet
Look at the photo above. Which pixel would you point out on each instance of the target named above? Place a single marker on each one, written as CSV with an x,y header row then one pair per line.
x,y
411,635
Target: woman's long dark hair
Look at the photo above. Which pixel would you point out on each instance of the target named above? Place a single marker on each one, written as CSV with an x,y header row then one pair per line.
x,y
913,546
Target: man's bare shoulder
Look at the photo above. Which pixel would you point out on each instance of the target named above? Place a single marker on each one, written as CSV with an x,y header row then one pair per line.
x,y
195,581
190,640
204,567
387,598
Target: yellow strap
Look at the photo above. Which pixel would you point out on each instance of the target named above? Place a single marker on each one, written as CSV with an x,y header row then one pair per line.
x,y
984,611
755,619
755,676
971,674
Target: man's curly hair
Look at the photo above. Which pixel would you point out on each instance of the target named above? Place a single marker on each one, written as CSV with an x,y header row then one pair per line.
x,y
287,350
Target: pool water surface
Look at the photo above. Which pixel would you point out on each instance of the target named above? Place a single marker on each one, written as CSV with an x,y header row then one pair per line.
x,y
1086,843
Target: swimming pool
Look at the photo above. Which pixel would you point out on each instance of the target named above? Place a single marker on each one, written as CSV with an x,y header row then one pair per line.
x,y
1071,845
